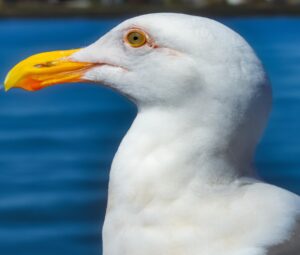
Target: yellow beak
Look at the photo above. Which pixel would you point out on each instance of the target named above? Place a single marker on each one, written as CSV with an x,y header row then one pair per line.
x,y
45,69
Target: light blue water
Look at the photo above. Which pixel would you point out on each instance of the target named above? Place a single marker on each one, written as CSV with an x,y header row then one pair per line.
x,y
56,145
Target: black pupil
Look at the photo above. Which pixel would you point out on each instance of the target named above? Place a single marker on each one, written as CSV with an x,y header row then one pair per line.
x,y
135,38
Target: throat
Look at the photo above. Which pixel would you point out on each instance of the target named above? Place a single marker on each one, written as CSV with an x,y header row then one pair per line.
x,y
166,152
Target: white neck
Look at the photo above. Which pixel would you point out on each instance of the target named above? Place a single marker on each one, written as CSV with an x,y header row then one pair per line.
x,y
169,149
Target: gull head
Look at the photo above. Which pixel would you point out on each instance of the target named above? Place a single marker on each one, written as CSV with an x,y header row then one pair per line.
x,y
173,61
156,58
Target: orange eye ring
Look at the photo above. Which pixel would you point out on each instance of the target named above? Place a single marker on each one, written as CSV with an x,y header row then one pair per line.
x,y
136,38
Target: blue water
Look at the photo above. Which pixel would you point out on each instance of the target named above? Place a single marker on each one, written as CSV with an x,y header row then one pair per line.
x,y
56,145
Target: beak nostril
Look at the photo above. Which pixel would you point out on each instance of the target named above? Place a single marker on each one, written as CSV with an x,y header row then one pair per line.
x,y
46,64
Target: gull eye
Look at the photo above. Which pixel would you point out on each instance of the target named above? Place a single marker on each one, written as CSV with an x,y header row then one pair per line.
x,y
136,38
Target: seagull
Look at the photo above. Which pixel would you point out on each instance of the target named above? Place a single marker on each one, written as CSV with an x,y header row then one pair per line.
x,y
183,180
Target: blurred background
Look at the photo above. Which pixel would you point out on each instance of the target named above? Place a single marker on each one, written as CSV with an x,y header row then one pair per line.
x,y
56,145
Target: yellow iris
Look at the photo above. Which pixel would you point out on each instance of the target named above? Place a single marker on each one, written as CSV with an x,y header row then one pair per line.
x,y
136,39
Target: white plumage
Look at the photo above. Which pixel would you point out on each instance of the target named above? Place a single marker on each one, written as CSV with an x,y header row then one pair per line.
x,y
182,181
